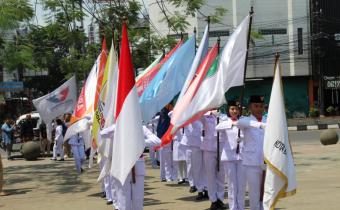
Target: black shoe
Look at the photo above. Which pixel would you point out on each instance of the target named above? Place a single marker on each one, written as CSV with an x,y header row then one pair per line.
x,y
62,159
109,203
81,170
103,195
206,194
181,181
200,196
214,206
193,189
220,204
163,180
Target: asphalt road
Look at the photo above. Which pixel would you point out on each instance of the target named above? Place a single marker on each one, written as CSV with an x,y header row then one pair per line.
x,y
45,184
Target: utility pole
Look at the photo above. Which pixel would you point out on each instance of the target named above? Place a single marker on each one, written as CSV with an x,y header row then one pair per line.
x,y
319,52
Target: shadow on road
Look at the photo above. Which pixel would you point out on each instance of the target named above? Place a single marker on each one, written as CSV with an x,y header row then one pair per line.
x,y
61,175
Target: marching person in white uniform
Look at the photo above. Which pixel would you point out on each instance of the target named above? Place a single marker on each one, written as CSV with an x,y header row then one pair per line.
x,y
58,141
215,177
168,172
131,194
179,157
194,157
252,154
152,125
78,151
231,156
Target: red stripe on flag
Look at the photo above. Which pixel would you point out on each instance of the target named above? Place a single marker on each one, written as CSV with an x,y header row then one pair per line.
x,y
144,81
102,63
126,77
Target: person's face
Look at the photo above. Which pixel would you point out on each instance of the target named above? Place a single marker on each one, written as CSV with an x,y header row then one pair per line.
x,y
234,111
256,109
8,121
28,117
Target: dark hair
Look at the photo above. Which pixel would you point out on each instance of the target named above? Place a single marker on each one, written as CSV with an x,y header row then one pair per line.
x,y
59,122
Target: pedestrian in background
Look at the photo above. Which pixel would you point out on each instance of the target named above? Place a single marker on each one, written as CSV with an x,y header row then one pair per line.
x,y
44,142
58,141
7,135
26,129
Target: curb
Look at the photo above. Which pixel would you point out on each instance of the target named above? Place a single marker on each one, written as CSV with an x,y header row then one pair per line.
x,y
313,127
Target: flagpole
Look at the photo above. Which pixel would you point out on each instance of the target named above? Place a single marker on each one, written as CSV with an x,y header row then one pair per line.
x,y
251,12
218,119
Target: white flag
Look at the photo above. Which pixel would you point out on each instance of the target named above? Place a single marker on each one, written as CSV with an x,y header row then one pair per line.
x,y
60,101
209,93
280,177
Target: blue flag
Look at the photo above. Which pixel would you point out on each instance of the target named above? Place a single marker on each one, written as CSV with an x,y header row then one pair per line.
x,y
169,80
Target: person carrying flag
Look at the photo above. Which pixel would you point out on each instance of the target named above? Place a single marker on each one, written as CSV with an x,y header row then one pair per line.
x,y
252,156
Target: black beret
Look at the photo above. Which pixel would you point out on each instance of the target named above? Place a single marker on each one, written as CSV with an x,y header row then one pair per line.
x,y
256,99
233,103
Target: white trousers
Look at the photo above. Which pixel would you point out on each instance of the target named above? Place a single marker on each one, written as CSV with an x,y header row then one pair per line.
x,y
235,180
168,169
114,183
108,187
215,179
58,149
131,195
78,155
181,169
253,178
153,158
195,169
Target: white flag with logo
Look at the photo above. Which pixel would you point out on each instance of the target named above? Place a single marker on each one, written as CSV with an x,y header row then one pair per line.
x,y
60,101
280,176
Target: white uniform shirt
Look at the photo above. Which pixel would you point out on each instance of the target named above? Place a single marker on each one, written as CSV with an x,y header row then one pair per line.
x,y
59,134
192,134
209,142
252,153
230,133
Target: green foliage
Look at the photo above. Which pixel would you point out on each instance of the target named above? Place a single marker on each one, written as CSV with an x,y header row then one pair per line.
x,y
177,21
12,12
331,110
314,112
17,57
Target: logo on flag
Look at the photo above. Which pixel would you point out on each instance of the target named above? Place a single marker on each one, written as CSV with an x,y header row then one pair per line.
x,y
60,96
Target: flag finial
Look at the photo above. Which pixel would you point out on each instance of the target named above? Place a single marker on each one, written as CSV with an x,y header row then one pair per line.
x,y
251,12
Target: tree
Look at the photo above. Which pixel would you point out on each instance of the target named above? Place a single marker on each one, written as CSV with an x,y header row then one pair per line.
x,y
13,12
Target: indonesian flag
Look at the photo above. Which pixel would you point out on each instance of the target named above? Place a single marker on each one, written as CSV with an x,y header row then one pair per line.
x,y
207,90
83,111
99,90
128,142
280,176
143,81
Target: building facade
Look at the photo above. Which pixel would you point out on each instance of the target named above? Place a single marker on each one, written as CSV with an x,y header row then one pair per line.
x,y
282,26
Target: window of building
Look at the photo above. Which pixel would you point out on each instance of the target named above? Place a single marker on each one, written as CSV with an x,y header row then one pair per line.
x,y
219,33
271,31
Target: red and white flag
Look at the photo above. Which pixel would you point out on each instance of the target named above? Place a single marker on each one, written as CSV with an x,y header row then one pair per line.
x,y
128,142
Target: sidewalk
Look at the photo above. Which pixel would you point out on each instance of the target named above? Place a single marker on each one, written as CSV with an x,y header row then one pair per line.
x,y
318,123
